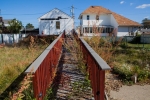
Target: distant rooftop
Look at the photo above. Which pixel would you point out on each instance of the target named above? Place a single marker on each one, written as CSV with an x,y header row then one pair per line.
x,y
6,21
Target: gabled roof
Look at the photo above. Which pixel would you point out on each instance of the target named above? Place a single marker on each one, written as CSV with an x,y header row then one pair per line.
x,y
55,9
121,20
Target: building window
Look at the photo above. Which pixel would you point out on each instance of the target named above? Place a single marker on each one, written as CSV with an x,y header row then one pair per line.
x,y
88,17
104,30
83,30
57,24
111,30
91,29
86,30
98,29
107,30
94,29
97,17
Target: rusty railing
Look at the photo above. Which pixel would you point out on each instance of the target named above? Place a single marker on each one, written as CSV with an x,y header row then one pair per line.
x,y
44,67
96,68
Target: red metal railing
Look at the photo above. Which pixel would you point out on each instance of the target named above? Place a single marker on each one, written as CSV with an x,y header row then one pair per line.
x,y
44,67
96,67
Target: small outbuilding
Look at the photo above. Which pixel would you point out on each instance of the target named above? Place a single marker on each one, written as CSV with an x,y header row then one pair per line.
x,y
54,22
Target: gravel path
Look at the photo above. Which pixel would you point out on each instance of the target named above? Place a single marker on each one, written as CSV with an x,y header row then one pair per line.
x,y
69,75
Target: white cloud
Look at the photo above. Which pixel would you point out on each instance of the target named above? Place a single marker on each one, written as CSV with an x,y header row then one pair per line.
x,y
146,17
143,6
121,2
131,4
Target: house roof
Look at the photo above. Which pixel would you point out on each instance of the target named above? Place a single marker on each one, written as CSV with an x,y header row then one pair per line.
x,y
53,10
121,20
6,21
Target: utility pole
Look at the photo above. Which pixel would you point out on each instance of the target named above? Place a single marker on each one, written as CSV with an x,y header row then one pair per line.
x,y
72,13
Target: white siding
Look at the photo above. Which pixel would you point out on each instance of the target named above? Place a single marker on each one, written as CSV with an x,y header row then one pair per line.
x,y
104,19
49,26
124,31
114,22
6,24
92,20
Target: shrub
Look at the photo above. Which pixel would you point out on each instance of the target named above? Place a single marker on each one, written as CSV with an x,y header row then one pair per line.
x,y
123,72
136,39
143,75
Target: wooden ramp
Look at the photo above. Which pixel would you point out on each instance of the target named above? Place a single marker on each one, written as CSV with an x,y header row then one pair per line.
x,y
72,84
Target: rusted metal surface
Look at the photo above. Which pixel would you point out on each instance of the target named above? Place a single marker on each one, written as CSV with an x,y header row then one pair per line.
x,y
96,67
44,67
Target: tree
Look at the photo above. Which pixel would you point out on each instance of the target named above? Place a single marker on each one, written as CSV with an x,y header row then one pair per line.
x,y
29,26
14,26
146,23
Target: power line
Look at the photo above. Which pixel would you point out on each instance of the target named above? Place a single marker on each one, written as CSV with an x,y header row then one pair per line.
x,y
31,13
25,14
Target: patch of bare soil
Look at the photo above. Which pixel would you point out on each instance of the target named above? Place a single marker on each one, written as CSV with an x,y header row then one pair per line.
x,y
112,83
115,89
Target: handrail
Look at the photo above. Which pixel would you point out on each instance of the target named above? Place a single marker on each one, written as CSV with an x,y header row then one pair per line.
x,y
102,64
34,66
96,68
44,67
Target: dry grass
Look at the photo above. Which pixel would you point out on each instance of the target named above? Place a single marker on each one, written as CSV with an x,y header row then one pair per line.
x,y
103,47
15,59
24,86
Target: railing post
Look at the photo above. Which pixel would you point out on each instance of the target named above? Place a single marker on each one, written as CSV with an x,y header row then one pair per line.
x,y
102,84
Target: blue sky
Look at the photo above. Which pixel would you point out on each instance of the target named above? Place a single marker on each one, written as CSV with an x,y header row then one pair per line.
x,y
28,11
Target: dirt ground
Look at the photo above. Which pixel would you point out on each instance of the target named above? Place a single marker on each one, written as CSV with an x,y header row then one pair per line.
x,y
134,92
115,89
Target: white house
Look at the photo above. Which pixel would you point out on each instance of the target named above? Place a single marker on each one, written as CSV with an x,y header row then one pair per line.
x,y
54,22
104,22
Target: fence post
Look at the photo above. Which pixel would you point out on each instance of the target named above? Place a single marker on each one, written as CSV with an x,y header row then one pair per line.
x,y
102,84
2,38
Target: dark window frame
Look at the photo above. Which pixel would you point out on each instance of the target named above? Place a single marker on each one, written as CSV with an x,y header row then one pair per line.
x,y
97,17
88,17
57,24
83,30
86,29
91,29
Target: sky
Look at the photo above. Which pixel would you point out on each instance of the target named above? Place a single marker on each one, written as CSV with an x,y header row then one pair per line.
x,y
28,11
